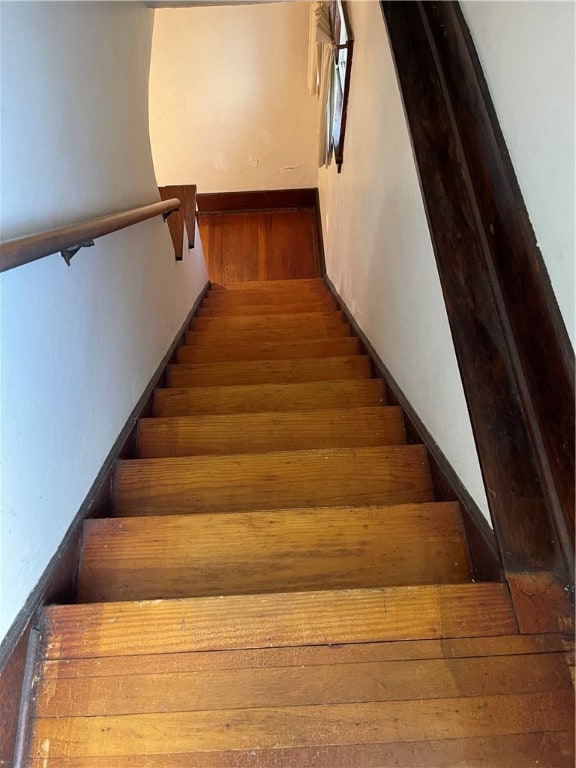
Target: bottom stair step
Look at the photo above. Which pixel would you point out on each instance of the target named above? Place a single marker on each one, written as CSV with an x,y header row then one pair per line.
x,y
137,558
282,619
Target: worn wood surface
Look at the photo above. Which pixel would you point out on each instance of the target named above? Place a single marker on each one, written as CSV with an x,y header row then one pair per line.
x,y
289,307
269,350
308,320
541,602
245,688
270,287
222,299
252,398
285,290
542,749
302,726
279,619
311,655
209,338
269,371
250,609
260,432
394,474
251,552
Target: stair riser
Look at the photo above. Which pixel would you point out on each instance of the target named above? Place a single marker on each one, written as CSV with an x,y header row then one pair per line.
x,y
258,298
363,476
269,372
201,340
262,432
268,398
208,309
309,321
268,287
269,351
276,620
190,556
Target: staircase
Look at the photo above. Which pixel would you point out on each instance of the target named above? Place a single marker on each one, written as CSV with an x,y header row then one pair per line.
x,y
276,585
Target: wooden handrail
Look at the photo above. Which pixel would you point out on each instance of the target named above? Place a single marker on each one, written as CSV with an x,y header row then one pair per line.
x,y
66,240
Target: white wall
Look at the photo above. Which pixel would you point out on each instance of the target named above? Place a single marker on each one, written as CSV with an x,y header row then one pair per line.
x,y
229,107
379,254
79,344
527,53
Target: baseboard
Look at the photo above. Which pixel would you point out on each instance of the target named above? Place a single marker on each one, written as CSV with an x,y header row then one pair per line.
x,y
484,556
236,202
57,583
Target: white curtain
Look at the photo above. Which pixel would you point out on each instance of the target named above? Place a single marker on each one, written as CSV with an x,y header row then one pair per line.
x,y
320,75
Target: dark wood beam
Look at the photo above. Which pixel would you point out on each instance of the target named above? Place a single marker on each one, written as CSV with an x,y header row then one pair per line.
x,y
512,347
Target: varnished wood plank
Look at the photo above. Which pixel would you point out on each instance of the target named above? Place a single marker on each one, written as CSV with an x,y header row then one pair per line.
x,y
246,553
230,336
304,726
259,245
541,602
292,249
545,750
395,474
289,292
255,433
302,686
269,371
270,286
292,618
209,309
266,350
268,397
473,647
309,656
230,246
251,322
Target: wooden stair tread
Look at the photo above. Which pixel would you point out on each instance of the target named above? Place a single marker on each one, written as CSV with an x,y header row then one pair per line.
x,y
545,749
209,309
269,371
253,398
274,620
260,298
209,338
266,350
471,671
308,320
270,286
292,686
395,474
309,655
274,431
254,552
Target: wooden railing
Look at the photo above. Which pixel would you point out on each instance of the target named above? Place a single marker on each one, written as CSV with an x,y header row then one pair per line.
x,y
68,240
